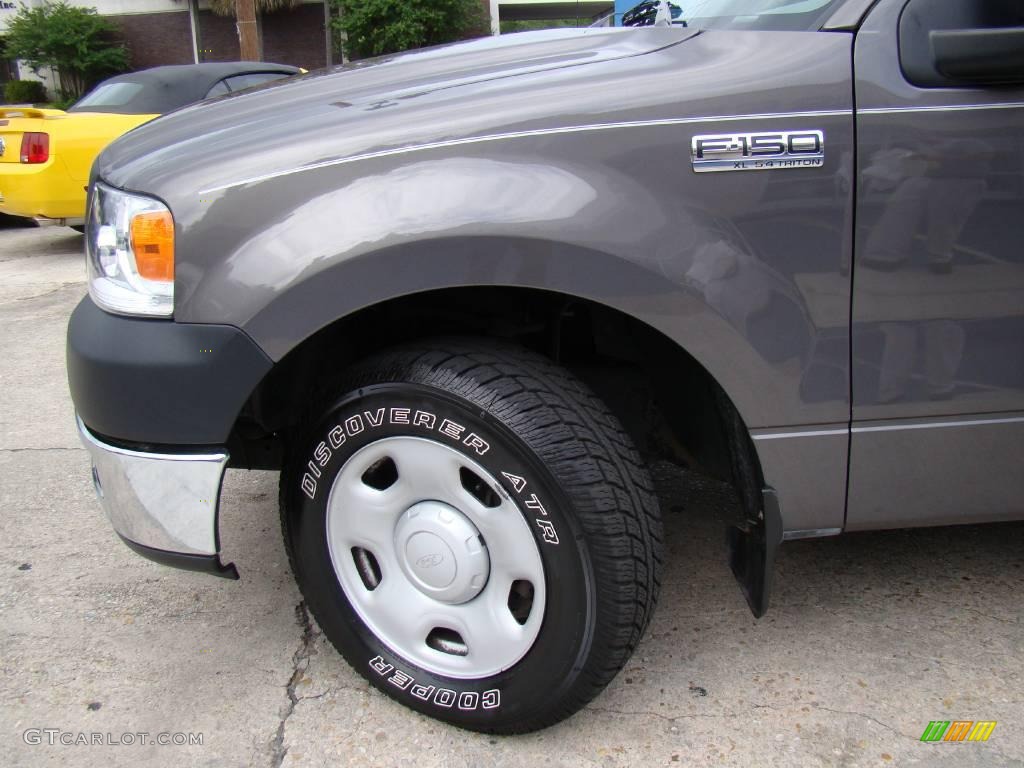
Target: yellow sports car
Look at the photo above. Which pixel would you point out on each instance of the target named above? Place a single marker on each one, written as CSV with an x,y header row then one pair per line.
x,y
46,154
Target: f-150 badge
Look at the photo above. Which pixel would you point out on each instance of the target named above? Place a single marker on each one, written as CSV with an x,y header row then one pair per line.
x,y
758,151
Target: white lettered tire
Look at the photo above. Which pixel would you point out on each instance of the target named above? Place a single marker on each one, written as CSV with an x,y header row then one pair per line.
x,y
473,531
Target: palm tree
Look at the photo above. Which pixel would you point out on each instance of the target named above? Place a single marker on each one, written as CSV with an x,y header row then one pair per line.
x,y
250,39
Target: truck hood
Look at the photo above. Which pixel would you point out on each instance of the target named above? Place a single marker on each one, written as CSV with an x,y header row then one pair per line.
x,y
381,103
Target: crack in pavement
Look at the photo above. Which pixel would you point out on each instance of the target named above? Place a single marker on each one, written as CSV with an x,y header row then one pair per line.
x,y
660,716
50,292
990,616
730,715
841,712
55,448
867,717
300,664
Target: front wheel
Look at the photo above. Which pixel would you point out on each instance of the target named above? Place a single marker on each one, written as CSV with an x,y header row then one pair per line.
x,y
474,532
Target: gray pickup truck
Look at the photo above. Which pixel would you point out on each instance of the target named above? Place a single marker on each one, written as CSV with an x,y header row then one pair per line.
x,y
455,295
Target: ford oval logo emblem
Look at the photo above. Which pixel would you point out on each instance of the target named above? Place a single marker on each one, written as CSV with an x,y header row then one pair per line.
x,y
430,561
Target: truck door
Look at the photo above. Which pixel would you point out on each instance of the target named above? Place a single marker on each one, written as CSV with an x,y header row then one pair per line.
x,y
938,282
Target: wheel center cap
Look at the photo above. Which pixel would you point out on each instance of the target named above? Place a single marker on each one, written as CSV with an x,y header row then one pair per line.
x,y
440,552
431,559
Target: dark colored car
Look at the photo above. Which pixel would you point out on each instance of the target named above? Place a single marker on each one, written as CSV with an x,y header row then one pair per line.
x,y
159,90
470,290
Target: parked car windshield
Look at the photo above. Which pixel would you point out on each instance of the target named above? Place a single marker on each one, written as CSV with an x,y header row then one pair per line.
x,y
160,90
109,95
782,15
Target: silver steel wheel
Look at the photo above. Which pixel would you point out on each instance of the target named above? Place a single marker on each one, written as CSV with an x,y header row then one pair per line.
x,y
497,591
437,562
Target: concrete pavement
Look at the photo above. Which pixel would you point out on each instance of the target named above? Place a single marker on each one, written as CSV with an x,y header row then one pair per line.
x,y
869,636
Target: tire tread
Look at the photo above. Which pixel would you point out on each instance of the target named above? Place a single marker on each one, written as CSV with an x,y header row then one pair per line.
x,y
585,448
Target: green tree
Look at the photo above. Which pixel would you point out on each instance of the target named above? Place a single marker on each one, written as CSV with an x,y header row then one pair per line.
x,y
377,27
77,43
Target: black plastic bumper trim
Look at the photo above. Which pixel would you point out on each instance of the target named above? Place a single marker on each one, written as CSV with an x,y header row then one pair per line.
x,y
159,382
210,564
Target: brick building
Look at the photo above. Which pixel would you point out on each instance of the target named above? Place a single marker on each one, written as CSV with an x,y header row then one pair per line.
x,y
187,31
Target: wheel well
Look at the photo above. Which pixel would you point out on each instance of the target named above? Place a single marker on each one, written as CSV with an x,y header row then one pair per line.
x,y
667,401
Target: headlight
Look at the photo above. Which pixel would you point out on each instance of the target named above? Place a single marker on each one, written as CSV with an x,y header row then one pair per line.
x,y
130,253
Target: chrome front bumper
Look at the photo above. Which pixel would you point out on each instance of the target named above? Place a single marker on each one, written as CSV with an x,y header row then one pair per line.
x,y
163,505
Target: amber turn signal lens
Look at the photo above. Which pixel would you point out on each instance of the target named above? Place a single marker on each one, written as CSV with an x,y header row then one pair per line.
x,y
153,244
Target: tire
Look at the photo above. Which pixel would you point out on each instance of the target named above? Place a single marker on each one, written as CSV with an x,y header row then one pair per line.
x,y
79,228
481,437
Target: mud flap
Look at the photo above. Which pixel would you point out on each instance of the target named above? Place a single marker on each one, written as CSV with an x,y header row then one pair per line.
x,y
752,553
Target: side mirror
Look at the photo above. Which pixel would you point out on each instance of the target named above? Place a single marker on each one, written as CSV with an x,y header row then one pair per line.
x,y
979,56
